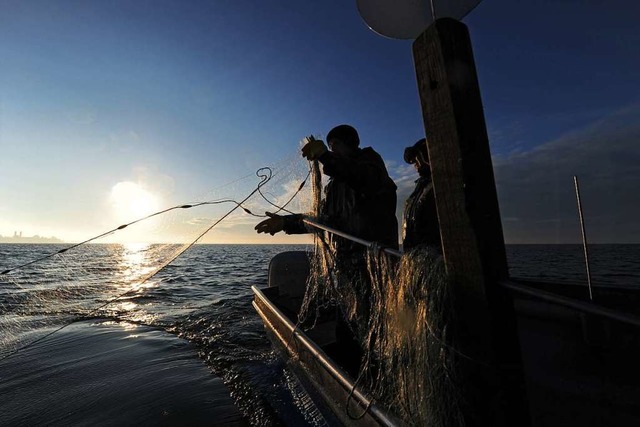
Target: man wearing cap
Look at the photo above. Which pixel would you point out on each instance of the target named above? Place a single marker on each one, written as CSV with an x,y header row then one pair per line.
x,y
420,225
360,198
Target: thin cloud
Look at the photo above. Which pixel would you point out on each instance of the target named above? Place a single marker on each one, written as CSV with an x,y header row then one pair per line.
x,y
404,175
200,221
536,189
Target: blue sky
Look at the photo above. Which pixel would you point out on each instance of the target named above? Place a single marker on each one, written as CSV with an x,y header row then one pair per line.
x,y
182,98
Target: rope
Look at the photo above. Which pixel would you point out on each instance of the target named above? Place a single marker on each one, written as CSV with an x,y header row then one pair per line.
x,y
350,397
122,227
264,174
185,206
283,207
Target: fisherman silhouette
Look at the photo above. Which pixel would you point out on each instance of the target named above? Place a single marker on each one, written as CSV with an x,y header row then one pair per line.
x,y
420,221
360,200
360,197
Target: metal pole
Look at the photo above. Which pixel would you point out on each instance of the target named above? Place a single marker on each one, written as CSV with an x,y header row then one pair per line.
x,y
584,236
578,305
368,244
513,286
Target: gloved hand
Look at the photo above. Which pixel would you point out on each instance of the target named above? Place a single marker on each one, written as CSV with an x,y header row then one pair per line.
x,y
314,149
272,225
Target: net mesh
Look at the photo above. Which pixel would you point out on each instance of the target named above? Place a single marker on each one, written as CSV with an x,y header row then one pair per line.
x,y
415,344
398,311
45,287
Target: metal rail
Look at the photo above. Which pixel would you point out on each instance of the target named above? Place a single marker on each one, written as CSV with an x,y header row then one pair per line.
x,y
586,307
340,376
368,244
550,297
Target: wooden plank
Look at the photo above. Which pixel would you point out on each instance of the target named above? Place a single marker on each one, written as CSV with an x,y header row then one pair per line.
x,y
471,229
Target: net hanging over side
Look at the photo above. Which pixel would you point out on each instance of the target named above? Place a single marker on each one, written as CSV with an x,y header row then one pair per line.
x,y
44,288
415,342
400,312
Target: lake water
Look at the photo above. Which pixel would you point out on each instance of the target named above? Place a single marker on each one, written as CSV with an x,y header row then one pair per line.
x,y
186,347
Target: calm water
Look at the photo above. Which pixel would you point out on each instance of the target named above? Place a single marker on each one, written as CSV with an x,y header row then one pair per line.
x,y
611,265
162,353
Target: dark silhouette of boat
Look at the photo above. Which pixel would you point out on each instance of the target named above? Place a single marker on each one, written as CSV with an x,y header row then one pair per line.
x,y
313,354
579,358
537,353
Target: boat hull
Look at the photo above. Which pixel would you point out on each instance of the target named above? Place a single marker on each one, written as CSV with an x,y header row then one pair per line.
x,y
317,372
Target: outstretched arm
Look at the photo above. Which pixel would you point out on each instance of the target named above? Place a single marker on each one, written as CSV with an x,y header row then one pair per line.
x,y
272,225
290,224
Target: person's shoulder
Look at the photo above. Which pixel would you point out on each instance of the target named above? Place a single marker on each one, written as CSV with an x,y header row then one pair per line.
x,y
369,153
368,150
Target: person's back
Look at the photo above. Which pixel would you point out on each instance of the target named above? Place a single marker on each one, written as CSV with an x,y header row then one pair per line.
x,y
360,199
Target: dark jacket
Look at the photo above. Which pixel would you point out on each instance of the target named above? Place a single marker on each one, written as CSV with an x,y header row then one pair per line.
x,y
420,225
360,199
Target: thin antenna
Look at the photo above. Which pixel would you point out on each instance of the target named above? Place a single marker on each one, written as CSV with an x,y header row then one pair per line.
x,y
433,11
584,236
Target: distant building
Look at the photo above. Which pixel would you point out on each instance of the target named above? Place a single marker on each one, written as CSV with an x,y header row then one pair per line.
x,y
17,238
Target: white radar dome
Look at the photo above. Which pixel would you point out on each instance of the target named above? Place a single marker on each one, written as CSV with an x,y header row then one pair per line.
x,y
407,19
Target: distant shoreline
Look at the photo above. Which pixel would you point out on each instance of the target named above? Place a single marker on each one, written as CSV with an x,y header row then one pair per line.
x,y
30,240
36,240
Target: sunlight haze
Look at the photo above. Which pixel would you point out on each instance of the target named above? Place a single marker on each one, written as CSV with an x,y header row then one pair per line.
x,y
110,111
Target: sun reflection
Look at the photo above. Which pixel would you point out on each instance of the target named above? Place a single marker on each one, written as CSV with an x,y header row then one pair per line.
x,y
128,306
125,326
136,264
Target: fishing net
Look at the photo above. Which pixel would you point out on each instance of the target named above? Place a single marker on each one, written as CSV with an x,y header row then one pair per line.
x,y
398,311
417,311
44,288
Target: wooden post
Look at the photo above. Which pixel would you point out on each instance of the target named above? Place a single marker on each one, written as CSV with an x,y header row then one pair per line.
x,y
485,329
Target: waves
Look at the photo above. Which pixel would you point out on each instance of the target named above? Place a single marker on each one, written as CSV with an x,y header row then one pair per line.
x,y
203,297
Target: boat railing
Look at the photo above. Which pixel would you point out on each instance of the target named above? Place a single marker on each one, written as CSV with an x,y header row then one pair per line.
x,y
550,297
368,244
